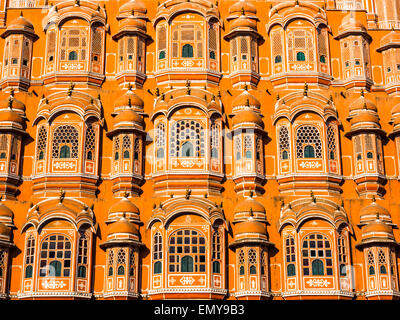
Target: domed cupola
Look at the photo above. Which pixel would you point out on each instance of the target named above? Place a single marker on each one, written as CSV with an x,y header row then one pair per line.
x,y
122,248
244,40
132,40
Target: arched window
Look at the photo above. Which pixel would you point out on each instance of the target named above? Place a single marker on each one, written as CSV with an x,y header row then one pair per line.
x,y
110,263
241,262
382,262
3,146
248,147
162,55
252,260
157,253
126,147
278,59
116,148
300,56
65,142
157,267
41,143
342,254
29,256
132,263
188,37
216,252
187,51
136,153
187,139
284,143
290,256
317,268
72,56
212,55
309,152
308,142
73,45
65,152
187,249
214,140
317,247
187,264
187,149
121,262
90,142
238,147
371,262
160,140
55,256
331,137
82,259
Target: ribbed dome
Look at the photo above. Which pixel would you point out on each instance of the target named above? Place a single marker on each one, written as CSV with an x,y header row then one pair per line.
x,y
123,226
351,24
129,99
370,212
248,205
133,24
5,211
246,99
251,226
362,103
14,104
391,38
8,115
241,6
124,206
365,118
377,231
246,117
128,117
243,23
133,5
20,22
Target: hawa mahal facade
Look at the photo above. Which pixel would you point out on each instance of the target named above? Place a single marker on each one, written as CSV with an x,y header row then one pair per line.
x,y
199,149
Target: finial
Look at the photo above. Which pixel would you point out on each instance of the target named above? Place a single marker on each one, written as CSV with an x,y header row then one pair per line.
x,y
246,87
157,92
77,2
20,14
305,93
362,92
188,91
62,195
129,86
126,195
377,215
247,102
314,199
251,212
243,13
278,97
70,89
219,93
12,92
206,195
282,203
163,96
373,198
251,193
10,103
188,193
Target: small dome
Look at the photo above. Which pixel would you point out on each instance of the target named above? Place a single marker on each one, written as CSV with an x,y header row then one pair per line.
x,y
246,99
12,103
124,206
8,115
133,5
133,24
351,24
5,211
365,118
370,212
246,117
392,38
251,226
20,22
243,23
243,6
377,231
123,226
248,205
362,103
129,99
128,117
